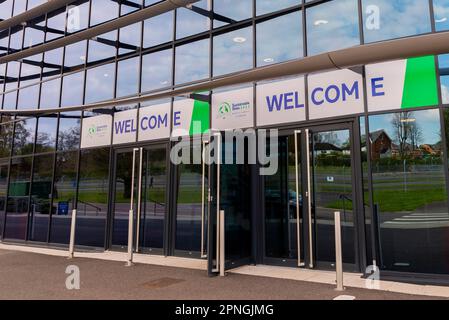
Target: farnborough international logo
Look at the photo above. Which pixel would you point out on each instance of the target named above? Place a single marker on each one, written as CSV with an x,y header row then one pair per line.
x,y
224,109
92,130
97,130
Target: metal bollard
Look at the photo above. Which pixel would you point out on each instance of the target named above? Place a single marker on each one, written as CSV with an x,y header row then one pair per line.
x,y
72,235
222,243
338,252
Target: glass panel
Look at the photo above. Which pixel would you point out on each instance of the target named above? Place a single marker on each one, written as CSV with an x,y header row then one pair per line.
x,y
394,19
122,196
332,186
157,70
92,202
189,23
40,198
332,25
234,10
188,205
128,77
100,83
280,203
4,166
18,198
192,61
46,134
267,6
24,134
63,196
102,11
158,30
6,135
69,131
441,14
72,90
409,191
154,185
233,51
271,48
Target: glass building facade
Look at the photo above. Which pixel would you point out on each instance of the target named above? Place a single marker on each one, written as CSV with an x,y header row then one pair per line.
x,y
384,166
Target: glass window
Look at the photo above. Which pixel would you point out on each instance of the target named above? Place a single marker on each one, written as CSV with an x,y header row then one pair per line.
x,y
100,83
40,198
6,134
72,89
69,131
394,19
6,9
93,197
332,25
233,10
63,196
192,61
189,23
33,36
157,70
271,48
103,47
267,6
128,77
158,30
102,11
233,51
55,26
441,13
409,191
46,134
443,61
24,137
50,94
28,97
75,54
130,37
77,16
4,167
18,193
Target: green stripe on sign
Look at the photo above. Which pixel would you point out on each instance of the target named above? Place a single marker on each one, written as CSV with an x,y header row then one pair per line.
x,y
420,86
200,117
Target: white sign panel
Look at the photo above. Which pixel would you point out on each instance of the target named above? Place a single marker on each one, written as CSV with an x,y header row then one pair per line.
x,y
125,127
335,93
233,109
281,102
97,131
182,117
154,122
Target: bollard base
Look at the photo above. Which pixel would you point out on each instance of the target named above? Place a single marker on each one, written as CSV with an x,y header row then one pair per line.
x,y
129,264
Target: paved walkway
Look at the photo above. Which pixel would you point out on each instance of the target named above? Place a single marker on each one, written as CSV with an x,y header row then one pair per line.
x,y
25,275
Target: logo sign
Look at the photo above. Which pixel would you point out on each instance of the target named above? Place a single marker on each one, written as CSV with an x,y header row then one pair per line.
x,y
402,84
335,93
190,117
281,102
97,131
154,122
233,109
125,127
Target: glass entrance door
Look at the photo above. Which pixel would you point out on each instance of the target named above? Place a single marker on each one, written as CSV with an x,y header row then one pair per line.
x,y
229,196
314,179
140,182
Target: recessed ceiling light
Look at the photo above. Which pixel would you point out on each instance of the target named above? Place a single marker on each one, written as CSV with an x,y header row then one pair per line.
x,y
441,20
268,60
320,22
239,39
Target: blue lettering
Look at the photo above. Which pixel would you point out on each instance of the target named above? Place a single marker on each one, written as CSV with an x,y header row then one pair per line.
x,y
297,104
142,122
119,126
275,102
314,100
162,120
328,94
177,118
375,85
350,92
288,99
